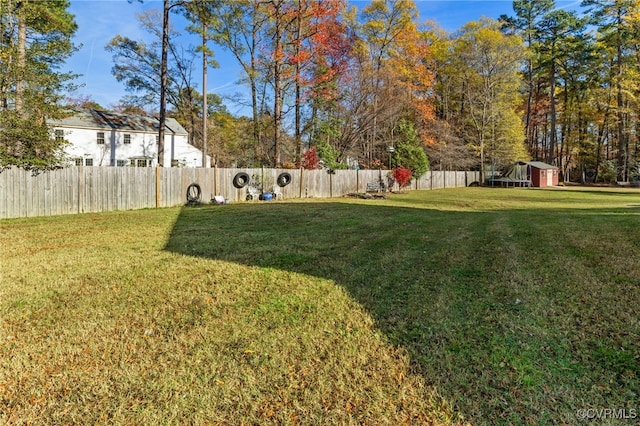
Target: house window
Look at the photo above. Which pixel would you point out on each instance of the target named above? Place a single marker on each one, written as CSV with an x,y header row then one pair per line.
x,y
100,138
121,163
127,139
88,161
175,163
140,162
59,134
78,161
157,139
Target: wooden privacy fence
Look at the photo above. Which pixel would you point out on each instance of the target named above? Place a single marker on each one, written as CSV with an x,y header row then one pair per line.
x,y
97,189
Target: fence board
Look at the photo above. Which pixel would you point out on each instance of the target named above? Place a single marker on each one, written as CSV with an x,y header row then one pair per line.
x,y
4,195
95,189
13,189
20,190
19,193
28,201
344,182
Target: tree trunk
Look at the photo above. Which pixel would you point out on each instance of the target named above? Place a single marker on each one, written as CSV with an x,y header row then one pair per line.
x,y
257,132
553,135
204,97
622,144
22,55
163,83
622,139
298,124
277,83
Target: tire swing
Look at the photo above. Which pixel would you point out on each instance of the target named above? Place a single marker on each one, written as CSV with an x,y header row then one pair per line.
x,y
284,179
193,194
240,180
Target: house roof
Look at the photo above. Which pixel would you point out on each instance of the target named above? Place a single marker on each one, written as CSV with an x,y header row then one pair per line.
x,y
540,165
106,120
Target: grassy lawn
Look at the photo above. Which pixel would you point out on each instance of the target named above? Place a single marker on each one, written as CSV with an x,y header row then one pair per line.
x,y
471,305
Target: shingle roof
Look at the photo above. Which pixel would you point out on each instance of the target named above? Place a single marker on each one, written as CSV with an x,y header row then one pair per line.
x,y
96,119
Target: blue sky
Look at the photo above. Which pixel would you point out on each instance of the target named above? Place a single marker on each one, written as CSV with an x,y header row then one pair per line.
x,y
100,20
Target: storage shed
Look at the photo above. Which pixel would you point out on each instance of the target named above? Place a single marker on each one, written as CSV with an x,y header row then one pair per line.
x,y
527,174
542,174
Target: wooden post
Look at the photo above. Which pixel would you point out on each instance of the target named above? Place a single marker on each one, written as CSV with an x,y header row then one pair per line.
x,y
215,180
301,181
330,185
158,189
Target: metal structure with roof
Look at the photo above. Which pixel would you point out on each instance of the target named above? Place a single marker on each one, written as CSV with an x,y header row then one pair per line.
x,y
527,174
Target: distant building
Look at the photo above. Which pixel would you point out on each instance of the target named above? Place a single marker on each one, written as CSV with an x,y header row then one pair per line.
x,y
101,138
528,174
542,174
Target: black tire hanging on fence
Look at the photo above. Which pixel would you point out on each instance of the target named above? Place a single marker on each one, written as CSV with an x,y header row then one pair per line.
x,y
194,192
284,179
240,180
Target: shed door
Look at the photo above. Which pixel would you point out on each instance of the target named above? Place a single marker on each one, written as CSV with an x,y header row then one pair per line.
x,y
550,178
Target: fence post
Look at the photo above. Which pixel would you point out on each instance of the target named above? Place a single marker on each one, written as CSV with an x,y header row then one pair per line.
x,y
301,180
330,185
215,179
158,200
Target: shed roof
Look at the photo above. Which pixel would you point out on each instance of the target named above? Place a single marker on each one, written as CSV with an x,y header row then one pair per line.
x,y
540,165
96,119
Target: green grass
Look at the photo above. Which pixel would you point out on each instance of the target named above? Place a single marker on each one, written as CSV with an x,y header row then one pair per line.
x,y
474,305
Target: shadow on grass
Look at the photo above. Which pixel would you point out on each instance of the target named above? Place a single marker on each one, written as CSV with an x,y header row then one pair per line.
x,y
514,316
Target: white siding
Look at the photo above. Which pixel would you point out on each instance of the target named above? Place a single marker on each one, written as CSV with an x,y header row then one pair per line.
x,y
83,144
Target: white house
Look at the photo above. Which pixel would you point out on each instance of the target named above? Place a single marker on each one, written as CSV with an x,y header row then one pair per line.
x,y
101,138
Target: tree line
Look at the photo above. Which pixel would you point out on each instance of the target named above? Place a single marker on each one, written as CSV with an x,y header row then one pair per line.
x,y
376,87
580,104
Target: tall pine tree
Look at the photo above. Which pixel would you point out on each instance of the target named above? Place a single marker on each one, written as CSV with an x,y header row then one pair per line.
x,y
35,40
616,32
